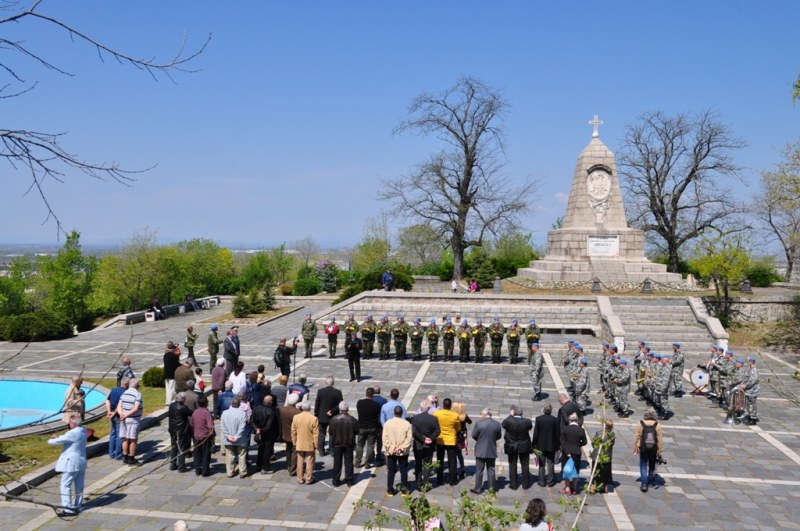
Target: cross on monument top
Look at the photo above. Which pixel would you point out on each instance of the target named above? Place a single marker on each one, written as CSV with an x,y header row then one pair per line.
x,y
596,123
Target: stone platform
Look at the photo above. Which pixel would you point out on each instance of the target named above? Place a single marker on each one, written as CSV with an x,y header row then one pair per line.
x,y
718,476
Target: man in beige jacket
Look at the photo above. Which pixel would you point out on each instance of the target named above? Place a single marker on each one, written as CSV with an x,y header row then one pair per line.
x,y
305,430
396,445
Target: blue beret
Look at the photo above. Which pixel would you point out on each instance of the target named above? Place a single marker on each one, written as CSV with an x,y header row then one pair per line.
x,y
571,341
534,344
416,320
623,362
666,355
751,358
740,360
729,353
533,321
614,347
579,347
657,356
214,326
584,360
449,320
433,321
369,316
604,343
479,320
514,321
642,341
676,344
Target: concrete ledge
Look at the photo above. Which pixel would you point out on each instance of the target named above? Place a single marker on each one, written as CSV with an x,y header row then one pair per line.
x,y
607,315
170,309
715,328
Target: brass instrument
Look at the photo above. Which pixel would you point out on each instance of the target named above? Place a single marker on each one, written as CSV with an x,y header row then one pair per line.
x,y
642,374
736,404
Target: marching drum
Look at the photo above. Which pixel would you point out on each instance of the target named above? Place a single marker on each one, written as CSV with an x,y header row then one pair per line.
x,y
700,378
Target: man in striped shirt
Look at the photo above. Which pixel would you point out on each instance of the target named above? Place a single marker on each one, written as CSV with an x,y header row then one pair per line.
x,y
130,410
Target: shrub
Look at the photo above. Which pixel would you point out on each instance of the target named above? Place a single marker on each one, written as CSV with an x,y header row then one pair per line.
x,y
241,306
153,377
40,325
350,291
306,272
762,273
306,286
328,275
255,302
286,289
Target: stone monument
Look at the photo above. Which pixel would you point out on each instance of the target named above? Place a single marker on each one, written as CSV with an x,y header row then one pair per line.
x,y
595,241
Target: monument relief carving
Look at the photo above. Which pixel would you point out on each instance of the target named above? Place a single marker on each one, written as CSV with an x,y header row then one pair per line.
x,y
598,185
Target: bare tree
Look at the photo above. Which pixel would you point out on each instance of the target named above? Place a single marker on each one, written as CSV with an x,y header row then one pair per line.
x,y
674,170
778,204
307,248
460,190
420,244
41,154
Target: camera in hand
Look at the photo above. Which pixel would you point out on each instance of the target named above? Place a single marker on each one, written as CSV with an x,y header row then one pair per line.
x,y
660,460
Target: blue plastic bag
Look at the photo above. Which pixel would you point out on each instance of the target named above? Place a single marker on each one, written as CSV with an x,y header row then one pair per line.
x,y
568,471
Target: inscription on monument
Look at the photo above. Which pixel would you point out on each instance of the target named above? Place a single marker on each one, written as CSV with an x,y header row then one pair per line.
x,y
602,245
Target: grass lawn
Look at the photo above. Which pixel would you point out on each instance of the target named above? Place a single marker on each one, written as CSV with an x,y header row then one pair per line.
x,y
228,317
20,456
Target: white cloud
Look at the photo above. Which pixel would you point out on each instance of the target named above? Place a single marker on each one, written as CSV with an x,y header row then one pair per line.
x,y
561,197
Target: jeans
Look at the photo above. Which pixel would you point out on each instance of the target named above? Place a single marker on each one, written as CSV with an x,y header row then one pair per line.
x,y
368,437
395,463
114,440
647,466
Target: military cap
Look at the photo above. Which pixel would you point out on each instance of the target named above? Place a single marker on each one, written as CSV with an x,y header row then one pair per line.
x,y
584,360
751,358
623,362
676,344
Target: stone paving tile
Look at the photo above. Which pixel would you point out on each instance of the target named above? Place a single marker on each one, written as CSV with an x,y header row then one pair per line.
x,y
708,448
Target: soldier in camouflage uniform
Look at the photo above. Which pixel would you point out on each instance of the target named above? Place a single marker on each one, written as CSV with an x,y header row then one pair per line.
x,y
623,388
368,336
735,379
309,331
448,339
663,381
400,333
496,333
751,388
433,340
582,386
603,367
613,371
532,335
479,336
512,338
713,370
384,333
725,367
677,370
350,325
650,380
416,333
536,365
641,357
464,340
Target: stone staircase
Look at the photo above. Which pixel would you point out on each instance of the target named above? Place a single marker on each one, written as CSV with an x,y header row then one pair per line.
x,y
660,321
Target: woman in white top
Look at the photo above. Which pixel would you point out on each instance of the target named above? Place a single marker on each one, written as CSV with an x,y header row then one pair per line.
x,y
535,517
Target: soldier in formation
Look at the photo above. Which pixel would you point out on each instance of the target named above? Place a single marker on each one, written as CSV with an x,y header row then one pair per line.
x,y
448,339
663,380
619,385
513,335
384,333
479,336
433,339
582,384
496,333
536,365
751,388
350,325
532,334
464,341
368,336
400,334
309,331
604,368
416,333
677,370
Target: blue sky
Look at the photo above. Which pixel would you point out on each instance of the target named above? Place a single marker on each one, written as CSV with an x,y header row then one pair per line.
x,y
286,130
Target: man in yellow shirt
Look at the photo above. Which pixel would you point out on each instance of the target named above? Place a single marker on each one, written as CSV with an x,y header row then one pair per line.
x,y
449,424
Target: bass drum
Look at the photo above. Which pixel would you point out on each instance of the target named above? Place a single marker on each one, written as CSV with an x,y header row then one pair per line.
x,y
700,378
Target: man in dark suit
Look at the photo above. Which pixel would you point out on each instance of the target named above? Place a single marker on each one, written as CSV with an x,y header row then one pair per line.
x,y
486,433
325,408
546,442
230,353
352,349
425,430
518,446
568,407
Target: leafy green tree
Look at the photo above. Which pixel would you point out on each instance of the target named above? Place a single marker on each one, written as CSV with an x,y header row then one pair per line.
x,y
328,276
206,265
419,244
64,283
512,251
796,90
723,259
481,268
13,300
258,272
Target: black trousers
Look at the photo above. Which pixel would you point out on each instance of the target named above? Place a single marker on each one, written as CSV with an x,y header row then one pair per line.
x,y
451,463
423,458
393,464
546,465
524,459
354,362
179,446
202,455
323,433
266,447
343,453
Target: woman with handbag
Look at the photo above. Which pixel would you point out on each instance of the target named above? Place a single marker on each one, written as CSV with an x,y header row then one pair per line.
x,y
462,437
573,438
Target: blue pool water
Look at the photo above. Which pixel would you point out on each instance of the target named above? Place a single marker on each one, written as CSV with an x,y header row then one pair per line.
x,y
23,402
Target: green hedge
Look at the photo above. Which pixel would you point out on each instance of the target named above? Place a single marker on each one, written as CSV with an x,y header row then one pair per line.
x,y
40,325
306,286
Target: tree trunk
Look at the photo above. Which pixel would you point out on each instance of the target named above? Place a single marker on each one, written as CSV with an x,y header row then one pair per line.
x,y
458,260
673,265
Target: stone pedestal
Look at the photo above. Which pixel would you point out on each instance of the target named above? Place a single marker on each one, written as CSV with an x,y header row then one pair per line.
x,y
595,240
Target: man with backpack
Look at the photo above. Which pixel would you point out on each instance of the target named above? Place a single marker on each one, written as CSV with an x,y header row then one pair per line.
x,y
283,356
648,443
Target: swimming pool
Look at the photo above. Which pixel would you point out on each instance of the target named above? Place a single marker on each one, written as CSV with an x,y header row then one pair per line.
x,y
25,401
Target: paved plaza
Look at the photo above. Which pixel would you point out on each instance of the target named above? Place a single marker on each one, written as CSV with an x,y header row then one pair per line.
x,y
718,476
